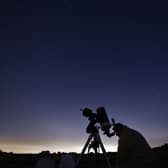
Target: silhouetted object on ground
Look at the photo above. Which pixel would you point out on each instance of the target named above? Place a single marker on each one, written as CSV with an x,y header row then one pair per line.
x,y
67,161
45,161
133,149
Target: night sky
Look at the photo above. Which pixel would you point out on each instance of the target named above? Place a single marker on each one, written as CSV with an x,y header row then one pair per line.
x,y
62,55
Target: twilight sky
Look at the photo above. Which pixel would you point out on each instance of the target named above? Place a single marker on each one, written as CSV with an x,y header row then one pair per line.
x,y
59,56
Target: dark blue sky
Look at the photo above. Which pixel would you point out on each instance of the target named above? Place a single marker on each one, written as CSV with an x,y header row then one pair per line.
x,y
59,56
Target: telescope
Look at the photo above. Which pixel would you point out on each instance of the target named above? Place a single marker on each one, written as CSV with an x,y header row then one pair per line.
x,y
99,117
94,140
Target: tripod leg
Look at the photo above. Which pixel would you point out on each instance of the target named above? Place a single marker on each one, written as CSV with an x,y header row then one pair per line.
x,y
83,150
96,156
104,153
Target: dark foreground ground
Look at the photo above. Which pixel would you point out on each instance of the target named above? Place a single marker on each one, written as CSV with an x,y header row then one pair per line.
x,y
10,160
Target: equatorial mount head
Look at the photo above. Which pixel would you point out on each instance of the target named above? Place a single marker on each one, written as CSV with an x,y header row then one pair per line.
x,y
100,117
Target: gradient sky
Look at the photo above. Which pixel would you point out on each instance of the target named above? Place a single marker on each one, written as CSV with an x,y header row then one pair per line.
x,y
59,56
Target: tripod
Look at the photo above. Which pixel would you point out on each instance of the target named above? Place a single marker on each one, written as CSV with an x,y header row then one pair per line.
x,y
95,145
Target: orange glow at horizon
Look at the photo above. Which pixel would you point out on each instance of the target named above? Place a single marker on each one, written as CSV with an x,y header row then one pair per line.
x,y
20,148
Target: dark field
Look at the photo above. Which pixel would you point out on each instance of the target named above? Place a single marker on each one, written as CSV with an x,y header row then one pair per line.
x,y
17,160
10,160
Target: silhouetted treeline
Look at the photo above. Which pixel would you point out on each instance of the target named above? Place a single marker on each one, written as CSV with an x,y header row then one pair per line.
x,y
11,160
